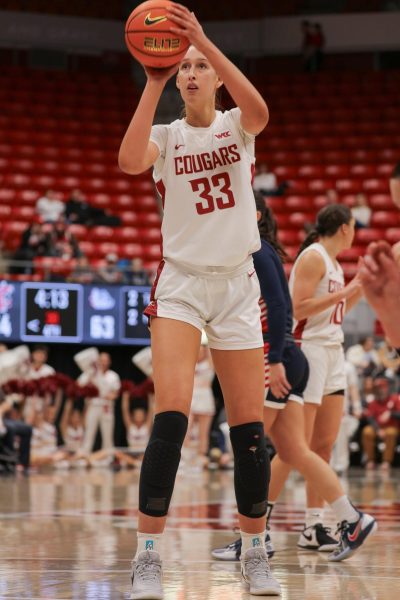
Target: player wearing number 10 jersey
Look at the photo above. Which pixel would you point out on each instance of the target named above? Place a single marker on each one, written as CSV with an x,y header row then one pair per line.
x,y
320,300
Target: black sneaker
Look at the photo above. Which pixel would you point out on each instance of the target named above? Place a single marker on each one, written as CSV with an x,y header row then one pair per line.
x,y
233,551
316,537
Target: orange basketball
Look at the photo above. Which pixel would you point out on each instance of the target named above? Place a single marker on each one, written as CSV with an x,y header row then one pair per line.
x,y
148,36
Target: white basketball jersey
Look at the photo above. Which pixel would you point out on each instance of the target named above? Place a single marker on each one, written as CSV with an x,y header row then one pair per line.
x,y
325,328
204,176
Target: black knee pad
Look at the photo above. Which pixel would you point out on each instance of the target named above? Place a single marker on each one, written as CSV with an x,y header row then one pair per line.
x,y
161,462
252,469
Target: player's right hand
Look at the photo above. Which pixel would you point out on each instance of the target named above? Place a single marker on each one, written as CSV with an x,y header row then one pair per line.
x,y
161,75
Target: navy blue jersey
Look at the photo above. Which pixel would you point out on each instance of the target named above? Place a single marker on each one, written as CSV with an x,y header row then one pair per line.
x,y
276,304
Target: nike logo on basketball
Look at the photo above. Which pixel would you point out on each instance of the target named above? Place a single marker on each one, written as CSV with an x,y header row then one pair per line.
x,y
177,146
149,21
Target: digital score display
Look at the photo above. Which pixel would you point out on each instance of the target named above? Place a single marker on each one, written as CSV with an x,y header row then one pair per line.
x,y
73,313
51,312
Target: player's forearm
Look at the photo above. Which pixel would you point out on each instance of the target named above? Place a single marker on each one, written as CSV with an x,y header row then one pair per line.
x,y
309,307
254,110
136,139
353,300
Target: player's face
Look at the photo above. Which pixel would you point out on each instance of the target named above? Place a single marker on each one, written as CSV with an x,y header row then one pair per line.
x,y
348,233
196,80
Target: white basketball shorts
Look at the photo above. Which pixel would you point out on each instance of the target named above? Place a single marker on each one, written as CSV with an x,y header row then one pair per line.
x,y
327,374
222,301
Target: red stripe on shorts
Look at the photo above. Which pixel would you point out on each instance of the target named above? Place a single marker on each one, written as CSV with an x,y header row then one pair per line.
x,y
151,308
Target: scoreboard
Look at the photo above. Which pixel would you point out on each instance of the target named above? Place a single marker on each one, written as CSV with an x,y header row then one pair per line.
x,y
73,313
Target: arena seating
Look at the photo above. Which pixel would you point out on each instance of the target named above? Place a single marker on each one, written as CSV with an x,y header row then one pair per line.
x,y
328,130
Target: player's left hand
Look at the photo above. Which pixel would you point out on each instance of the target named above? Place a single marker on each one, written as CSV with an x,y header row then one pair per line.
x,y
186,24
280,387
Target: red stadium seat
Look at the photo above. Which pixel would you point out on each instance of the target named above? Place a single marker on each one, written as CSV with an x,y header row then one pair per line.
x,y
299,203
79,231
299,219
383,218
365,236
131,251
101,233
89,249
289,237
376,185
352,254
380,201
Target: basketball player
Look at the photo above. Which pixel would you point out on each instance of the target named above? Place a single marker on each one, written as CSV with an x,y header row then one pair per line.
x,y
202,166
320,300
287,373
380,276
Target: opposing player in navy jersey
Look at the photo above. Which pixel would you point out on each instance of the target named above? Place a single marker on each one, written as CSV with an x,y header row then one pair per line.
x,y
287,373
203,168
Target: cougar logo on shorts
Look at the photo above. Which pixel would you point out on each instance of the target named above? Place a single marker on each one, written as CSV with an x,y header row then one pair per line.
x,y
149,20
149,545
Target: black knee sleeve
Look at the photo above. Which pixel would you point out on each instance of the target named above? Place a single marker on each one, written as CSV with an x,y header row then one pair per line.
x,y
252,469
160,463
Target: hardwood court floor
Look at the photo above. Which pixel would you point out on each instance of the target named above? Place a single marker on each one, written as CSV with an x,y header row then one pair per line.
x,y
71,535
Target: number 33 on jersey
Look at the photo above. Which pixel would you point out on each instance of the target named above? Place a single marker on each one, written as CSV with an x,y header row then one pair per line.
x,y
204,177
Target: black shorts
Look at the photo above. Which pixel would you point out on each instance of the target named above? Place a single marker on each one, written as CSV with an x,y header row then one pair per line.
x,y
297,372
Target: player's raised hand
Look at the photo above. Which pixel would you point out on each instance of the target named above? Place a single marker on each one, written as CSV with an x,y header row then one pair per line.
x,y
161,75
186,24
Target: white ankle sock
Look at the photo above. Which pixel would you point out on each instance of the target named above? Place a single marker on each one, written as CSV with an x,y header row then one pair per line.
x,y
344,510
148,541
314,516
252,540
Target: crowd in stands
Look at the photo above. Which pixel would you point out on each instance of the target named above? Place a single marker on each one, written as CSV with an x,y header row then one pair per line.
x,y
50,235
49,420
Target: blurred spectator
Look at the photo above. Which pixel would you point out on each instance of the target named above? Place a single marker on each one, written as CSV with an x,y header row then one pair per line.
x,y
136,274
266,182
78,210
110,273
364,356
34,242
38,367
361,211
383,414
332,196
82,273
313,45
352,411
49,208
389,359
61,242
10,429
306,45
318,44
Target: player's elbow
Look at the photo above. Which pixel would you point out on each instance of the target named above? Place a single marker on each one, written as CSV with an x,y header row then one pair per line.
x,y
129,166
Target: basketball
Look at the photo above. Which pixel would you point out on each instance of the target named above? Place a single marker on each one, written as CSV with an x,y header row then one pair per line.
x,y
149,39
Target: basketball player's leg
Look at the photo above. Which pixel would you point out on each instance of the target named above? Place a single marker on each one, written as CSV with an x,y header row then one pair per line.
x,y
326,424
175,347
241,376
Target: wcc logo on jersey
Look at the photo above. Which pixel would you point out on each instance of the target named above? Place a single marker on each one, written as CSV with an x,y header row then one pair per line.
x,y
223,135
